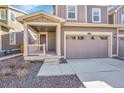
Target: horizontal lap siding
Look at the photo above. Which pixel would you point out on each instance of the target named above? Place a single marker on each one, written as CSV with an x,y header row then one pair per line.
x,y
103,13
5,41
61,11
118,15
84,29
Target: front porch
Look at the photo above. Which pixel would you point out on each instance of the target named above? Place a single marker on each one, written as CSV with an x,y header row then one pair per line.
x,y
41,41
42,36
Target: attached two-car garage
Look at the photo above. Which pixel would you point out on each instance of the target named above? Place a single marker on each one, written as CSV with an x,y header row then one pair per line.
x,y
88,45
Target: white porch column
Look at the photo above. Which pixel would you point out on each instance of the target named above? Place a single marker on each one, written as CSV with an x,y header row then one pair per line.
x,y
58,40
0,39
25,40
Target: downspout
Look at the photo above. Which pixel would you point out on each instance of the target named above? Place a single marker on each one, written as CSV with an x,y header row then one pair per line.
x,y
0,38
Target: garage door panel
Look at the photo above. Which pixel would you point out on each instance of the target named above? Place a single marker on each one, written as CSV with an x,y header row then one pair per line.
x,y
121,47
86,48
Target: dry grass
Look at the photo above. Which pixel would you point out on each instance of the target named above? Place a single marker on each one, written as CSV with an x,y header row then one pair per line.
x,y
24,66
5,71
20,73
11,63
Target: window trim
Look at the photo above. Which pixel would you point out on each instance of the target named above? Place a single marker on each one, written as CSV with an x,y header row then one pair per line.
x,y
75,12
5,18
94,9
14,42
122,16
14,15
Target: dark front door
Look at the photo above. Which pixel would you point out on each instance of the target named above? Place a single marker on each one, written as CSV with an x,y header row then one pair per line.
x,y
42,39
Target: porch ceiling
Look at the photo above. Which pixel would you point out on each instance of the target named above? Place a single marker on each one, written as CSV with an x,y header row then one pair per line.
x,y
44,28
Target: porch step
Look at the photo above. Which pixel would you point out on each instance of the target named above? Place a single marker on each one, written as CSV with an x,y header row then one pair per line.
x,y
51,61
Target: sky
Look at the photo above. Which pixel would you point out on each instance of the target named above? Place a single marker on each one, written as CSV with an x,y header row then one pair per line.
x,y
34,8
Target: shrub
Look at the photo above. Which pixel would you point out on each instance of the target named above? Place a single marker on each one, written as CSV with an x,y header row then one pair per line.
x,y
21,72
11,63
5,71
24,66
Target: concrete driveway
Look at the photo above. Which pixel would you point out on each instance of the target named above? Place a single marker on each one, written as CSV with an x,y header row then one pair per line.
x,y
93,73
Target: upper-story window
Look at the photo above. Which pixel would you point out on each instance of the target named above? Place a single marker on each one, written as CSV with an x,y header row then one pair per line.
x,y
96,15
2,14
122,19
71,12
12,17
12,38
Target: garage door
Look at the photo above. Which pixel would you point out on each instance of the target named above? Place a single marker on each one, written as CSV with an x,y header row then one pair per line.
x,y
78,46
121,47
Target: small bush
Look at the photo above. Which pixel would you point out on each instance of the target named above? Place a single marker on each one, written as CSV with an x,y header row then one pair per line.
x,y
21,72
23,66
12,63
5,71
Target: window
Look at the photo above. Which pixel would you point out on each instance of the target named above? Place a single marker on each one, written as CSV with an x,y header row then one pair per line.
x,y
96,15
2,14
122,19
72,12
69,37
80,37
12,38
12,16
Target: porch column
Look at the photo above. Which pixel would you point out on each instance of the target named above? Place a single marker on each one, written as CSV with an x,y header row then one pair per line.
x,y
58,40
25,40
0,39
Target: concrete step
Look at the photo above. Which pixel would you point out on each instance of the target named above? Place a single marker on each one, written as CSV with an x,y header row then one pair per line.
x,y
51,61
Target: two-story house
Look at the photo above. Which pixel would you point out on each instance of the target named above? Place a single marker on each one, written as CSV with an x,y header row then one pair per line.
x,y
11,31
116,16
72,31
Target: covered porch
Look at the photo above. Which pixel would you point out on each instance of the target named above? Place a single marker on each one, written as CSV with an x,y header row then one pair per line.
x,y
42,37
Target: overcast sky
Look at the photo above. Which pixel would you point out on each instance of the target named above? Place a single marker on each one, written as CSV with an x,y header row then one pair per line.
x,y
34,8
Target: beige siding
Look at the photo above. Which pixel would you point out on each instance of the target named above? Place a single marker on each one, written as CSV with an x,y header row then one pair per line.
x,y
103,13
5,21
61,11
88,29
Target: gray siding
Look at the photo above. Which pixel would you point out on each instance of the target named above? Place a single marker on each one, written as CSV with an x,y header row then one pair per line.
x,y
118,15
111,19
51,41
103,13
61,11
5,41
81,13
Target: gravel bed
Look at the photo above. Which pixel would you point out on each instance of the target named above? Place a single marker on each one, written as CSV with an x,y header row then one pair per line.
x,y
66,81
31,80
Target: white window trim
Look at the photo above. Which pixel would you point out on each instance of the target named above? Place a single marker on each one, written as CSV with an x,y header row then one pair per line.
x,y
122,16
5,18
14,15
14,42
93,9
75,13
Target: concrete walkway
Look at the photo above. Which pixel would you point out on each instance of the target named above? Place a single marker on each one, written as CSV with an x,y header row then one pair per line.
x,y
93,73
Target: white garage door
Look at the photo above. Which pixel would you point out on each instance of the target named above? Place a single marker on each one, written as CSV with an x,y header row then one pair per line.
x,y
79,46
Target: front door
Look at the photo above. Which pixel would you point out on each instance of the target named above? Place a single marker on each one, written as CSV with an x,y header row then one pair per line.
x,y
43,39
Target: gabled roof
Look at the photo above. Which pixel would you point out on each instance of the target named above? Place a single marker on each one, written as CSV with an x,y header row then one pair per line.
x,y
13,8
114,9
24,17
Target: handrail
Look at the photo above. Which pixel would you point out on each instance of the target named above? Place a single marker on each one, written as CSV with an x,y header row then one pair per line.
x,y
39,45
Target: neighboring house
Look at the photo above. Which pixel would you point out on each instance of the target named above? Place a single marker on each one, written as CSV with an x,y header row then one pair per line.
x,y
73,31
116,16
11,31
